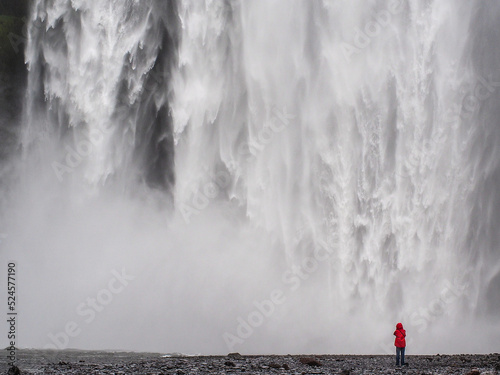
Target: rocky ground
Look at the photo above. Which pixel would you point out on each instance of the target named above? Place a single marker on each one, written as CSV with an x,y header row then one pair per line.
x,y
81,362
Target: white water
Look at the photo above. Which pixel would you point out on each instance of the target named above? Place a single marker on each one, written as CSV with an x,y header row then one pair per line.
x,y
386,155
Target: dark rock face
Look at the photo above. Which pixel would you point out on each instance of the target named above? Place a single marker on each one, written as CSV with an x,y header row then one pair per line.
x,y
13,16
16,8
14,370
13,71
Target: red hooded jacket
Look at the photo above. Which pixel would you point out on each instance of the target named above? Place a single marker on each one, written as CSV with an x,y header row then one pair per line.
x,y
400,334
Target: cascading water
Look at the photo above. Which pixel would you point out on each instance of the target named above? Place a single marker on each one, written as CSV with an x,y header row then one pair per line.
x,y
341,154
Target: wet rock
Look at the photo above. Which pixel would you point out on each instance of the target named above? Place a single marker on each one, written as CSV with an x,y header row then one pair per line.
x,y
310,361
230,364
285,366
14,370
474,372
274,365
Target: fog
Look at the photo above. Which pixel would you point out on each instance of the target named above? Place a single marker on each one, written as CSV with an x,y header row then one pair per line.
x,y
257,177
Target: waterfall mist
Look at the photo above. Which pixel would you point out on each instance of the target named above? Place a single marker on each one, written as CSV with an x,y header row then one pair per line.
x,y
342,155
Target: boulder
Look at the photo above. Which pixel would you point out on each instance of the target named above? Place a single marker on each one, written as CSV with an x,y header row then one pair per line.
x,y
310,361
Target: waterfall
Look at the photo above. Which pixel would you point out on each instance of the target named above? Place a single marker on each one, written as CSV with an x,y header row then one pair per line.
x,y
216,148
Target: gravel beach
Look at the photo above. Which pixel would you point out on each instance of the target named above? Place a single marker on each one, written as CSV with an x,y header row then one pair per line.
x,y
88,362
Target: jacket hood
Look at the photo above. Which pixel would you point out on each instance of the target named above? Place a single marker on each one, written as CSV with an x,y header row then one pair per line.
x,y
399,326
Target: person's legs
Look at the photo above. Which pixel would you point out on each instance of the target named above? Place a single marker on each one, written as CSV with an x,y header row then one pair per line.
x,y
402,356
398,350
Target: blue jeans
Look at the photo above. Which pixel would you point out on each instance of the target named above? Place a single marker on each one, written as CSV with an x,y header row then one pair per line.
x,y
400,351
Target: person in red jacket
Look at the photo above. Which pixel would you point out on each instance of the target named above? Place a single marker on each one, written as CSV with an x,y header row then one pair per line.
x,y
400,343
